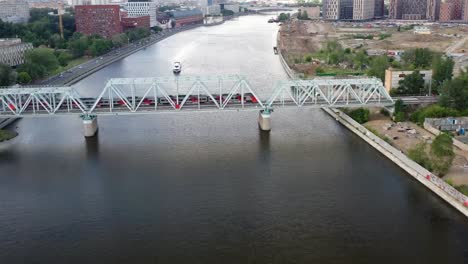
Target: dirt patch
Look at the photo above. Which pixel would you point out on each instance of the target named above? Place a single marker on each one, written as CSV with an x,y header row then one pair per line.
x,y
407,135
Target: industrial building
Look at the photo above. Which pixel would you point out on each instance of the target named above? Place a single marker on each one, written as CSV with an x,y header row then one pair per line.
x,y
12,51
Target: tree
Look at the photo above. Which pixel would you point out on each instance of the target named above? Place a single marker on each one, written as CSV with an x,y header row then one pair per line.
x,y
419,58
442,70
360,115
442,153
455,92
120,40
412,84
44,57
78,45
64,58
283,17
360,59
24,78
377,67
100,46
7,76
419,155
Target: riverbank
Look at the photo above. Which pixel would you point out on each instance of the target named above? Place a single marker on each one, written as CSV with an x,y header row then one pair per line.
x,y
432,182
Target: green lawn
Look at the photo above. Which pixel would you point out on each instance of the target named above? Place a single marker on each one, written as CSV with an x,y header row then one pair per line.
x,y
7,135
70,65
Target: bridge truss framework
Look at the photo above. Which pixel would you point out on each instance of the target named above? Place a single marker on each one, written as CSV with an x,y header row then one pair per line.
x,y
180,93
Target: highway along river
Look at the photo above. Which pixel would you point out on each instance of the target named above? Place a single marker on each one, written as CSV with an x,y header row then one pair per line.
x,y
208,187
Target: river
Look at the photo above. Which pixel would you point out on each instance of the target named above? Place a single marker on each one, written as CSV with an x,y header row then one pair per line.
x,y
209,187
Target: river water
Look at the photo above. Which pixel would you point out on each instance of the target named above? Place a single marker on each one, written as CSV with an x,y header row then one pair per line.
x,y
209,187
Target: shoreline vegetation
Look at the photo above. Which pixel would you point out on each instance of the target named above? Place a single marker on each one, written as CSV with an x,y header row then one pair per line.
x,y
6,135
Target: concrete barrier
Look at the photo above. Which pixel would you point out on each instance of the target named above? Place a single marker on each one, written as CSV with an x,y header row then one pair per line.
x,y
432,182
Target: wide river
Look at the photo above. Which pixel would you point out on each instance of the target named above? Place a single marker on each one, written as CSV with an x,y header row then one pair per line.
x,y
209,187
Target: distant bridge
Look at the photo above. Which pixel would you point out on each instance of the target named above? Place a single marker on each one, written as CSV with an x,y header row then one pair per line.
x,y
269,9
190,93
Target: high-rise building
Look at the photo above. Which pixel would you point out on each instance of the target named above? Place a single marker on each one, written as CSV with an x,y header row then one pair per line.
x,y
15,11
465,11
363,9
379,8
408,9
447,11
433,10
137,9
331,9
102,20
346,9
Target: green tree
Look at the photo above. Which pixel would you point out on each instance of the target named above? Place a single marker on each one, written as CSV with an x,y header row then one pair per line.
x,y
442,70
44,57
377,67
442,153
64,58
420,156
283,17
79,45
455,92
100,46
360,59
35,71
24,78
7,76
419,57
120,40
412,84
360,115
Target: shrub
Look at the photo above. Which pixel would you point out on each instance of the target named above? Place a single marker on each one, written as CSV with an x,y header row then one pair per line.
x,y
308,58
360,115
433,111
418,154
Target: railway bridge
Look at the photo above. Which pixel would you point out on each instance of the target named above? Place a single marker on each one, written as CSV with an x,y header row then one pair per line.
x,y
127,96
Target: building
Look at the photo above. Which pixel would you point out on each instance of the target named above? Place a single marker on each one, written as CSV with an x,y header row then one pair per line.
x,y
91,2
433,10
102,20
408,9
135,22
138,9
346,9
312,12
187,17
379,7
447,11
15,11
53,4
465,11
211,10
393,77
12,51
232,7
331,9
363,9
422,30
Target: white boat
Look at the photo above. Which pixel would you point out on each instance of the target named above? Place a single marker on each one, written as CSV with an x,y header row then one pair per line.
x,y
177,67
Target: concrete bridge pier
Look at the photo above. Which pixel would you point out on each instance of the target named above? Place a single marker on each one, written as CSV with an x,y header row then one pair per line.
x,y
90,125
264,119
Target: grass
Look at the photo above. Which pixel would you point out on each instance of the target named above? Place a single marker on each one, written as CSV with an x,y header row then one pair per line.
x,y
70,65
375,132
7,135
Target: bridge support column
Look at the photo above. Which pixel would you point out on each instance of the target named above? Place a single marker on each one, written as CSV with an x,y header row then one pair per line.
x,y
264,119
90,125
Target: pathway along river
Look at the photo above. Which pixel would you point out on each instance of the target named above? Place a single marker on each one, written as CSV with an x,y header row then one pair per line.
x,y
209,188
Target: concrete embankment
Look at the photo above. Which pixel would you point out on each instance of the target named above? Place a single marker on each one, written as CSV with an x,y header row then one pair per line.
x,y
432,182
4,122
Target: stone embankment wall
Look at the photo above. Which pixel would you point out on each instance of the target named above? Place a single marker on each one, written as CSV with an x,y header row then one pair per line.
x,y
434,183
